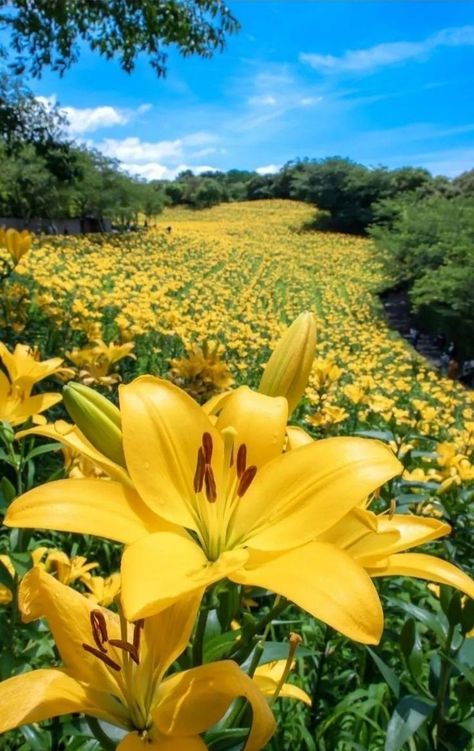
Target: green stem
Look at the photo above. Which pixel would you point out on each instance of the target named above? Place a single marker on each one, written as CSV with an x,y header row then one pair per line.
x,y
242,650
198,642
443,690
106,743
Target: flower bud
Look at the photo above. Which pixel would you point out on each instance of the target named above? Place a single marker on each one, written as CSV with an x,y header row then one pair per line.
x,y
17,243
287,371
97,418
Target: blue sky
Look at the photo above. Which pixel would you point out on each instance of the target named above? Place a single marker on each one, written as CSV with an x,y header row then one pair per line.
x,y
380,82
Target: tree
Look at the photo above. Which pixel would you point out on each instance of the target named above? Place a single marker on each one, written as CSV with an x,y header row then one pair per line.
x,y
49,33
24,119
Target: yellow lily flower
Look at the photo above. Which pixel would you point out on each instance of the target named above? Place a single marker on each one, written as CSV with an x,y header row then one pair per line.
x,y
66,569
103,590
24,368
23,371
115,671
95,363
268,678
6,595
379,544
17,243
235,506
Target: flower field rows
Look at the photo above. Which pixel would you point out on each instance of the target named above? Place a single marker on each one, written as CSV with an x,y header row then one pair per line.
x,y
201,300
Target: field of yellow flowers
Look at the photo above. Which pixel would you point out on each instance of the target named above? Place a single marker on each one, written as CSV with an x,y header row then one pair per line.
x,y
201,300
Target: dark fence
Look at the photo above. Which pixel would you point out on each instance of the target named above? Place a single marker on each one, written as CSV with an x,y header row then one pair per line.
x,y
57,226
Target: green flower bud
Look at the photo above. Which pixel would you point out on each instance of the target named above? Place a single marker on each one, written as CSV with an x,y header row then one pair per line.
x,y
287,371
97,418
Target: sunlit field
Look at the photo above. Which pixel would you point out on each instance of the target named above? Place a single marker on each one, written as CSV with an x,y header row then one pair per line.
x,y
202,299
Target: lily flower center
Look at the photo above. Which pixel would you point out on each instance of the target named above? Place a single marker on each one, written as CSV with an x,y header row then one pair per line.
x,y
122,657
216,508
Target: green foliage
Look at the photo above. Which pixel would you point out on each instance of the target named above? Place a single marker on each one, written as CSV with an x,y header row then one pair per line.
x,y
48,34
349,192
429,244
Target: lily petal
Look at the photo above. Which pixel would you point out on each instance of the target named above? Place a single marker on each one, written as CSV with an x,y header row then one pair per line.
x,y
324,581
33,405
162,432
302,493
92,507
68,615
193,701
268,684
71,436
167,634
412,530
40,695
297,437
160,568
135,742
428,567
259,422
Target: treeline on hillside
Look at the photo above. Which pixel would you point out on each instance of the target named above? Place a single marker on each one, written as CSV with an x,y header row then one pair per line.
x,y
46,175
428,247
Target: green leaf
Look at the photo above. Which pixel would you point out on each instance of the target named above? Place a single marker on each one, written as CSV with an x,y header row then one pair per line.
x,y
226,740
382,435
5,576
435,622
218,646
7,492
43,450
410,714
21,562
390,678
467,616
38,740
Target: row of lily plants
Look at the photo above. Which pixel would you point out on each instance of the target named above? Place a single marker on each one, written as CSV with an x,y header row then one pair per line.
x,y
182,574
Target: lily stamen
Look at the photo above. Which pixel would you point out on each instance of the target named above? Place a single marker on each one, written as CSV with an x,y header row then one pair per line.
x,y
137,631
241,460
211,487
199,473
127,647
207,447
104,657
99,629
246,480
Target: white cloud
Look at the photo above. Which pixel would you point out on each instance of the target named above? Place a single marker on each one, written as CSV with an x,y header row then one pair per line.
x,y
89,119
381,55
269,169
265,100
132,149
157,171
308,101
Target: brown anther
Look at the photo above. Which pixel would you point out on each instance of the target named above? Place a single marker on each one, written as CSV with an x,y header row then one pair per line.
x,y
137,630
99,629
130,648
246,480
101,656
199,473
241,460
211,488
207,446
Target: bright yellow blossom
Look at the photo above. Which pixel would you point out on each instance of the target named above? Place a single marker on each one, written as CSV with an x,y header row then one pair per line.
x,y
24,369
114,671
6,595
216,499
